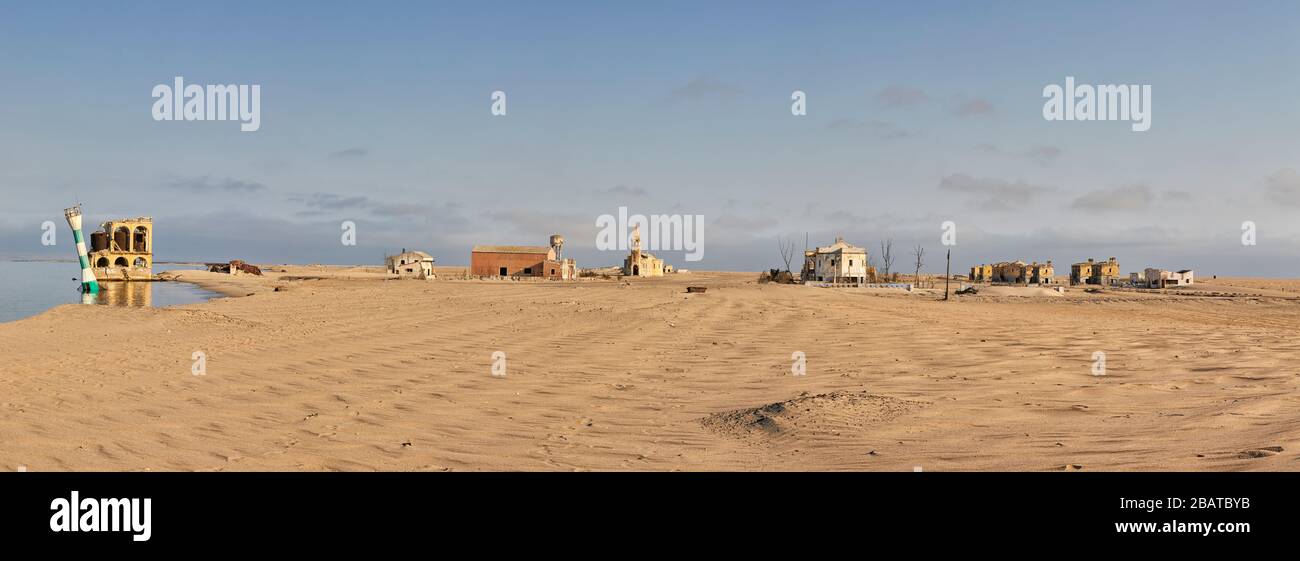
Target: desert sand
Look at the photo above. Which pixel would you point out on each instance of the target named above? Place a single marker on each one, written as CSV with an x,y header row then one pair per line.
x,y
321,368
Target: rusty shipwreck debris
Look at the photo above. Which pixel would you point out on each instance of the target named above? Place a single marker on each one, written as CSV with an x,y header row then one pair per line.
x,y
234,267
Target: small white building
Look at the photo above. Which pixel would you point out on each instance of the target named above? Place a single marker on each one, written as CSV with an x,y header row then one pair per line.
x,y
1160,278
412,264
839,262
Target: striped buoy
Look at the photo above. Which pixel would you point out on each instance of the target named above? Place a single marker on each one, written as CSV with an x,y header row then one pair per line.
x,y
88,283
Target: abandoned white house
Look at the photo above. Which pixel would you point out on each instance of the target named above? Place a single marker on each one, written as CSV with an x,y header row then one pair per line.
x,y
839,262
1160,278
414,264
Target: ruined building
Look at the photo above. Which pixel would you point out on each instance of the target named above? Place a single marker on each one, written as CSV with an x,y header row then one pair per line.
x,y
1160,278
1095,272
522,261
410,264
839,262
1040,273
643,264
1017,272
123,249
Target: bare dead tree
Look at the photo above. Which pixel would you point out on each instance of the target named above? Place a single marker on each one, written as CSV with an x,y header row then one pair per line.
x,y
919,254
887,256
787,251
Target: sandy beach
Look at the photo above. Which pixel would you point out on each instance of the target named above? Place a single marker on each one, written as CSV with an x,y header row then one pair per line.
x,y
326,368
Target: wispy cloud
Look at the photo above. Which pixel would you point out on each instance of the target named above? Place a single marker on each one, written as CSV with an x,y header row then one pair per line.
x,y
1042,154
206,184
705,87
993,194
975,106
403,210
901,96
330,201
1135,197
527,226
884,129
1283,187
349,154
624,190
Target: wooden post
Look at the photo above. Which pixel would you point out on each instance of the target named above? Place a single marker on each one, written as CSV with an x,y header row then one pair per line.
x,y
947,275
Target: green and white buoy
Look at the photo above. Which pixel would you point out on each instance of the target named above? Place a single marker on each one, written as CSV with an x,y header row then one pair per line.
x,y
88,283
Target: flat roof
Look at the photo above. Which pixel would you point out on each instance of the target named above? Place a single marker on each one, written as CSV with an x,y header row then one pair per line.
x,y
511,249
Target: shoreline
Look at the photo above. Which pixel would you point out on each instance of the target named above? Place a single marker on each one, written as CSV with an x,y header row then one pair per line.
x,y
223,284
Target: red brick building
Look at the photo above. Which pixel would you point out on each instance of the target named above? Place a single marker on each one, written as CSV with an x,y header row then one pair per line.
x,y
509,260
519,261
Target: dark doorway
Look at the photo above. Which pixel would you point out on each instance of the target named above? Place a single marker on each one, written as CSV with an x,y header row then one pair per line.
x,y
503,271
141,240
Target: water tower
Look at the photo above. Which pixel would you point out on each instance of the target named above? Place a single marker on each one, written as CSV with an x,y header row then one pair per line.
x,y
557,243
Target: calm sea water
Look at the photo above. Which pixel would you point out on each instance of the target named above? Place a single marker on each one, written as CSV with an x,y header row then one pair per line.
x,y
28,288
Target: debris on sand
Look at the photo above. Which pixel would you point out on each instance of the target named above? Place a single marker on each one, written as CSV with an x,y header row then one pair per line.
x,y
234,267
1260,452
830,413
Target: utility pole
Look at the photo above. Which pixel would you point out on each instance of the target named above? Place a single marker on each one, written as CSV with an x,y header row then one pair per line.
x,y
947,275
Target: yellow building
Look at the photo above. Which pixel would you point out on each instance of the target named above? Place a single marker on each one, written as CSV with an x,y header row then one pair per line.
x,y
640,263
123,249
1094,272
1017,272
1042,273
1009,271
1107,271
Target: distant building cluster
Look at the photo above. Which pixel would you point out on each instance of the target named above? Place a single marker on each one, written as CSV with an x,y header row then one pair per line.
x,y
1090,272
123,250
1017,272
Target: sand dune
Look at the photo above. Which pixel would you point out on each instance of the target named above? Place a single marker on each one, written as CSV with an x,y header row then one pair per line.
x,y
346,371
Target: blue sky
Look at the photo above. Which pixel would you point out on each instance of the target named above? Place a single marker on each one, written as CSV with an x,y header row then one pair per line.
x,y
918,113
